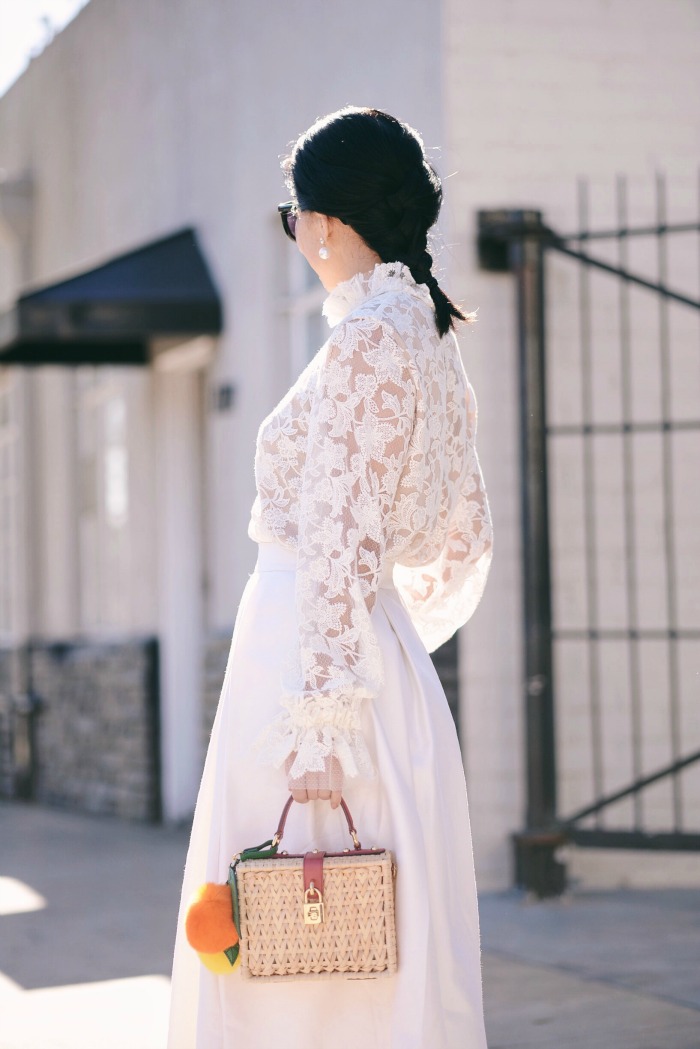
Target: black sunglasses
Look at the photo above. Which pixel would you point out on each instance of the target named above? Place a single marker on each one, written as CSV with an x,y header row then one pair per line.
x,y
289,214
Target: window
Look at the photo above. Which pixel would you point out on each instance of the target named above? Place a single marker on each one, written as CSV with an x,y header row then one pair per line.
x,y
104,511
308,329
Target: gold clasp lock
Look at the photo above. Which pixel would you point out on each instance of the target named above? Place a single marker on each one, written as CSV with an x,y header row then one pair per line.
x,y
313,912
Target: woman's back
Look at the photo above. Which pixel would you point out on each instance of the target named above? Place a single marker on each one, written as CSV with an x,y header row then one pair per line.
x,y
414,425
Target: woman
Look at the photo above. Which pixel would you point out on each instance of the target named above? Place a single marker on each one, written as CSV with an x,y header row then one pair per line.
x,y
374,541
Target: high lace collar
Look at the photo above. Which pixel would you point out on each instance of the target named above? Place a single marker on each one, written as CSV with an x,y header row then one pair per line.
x,y
385,277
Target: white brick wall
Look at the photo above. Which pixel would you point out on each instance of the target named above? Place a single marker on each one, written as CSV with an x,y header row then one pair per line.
x,y
536,95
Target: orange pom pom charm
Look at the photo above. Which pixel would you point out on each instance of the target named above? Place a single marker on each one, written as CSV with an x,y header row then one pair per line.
x,y
209,922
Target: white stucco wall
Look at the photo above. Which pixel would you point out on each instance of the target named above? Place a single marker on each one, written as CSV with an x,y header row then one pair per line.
x,y
137,121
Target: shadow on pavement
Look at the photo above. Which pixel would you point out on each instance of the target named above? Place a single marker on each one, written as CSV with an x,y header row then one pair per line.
x,y
111,890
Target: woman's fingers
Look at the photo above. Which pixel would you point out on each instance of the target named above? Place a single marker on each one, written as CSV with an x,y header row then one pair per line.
x,y
322,795
319,786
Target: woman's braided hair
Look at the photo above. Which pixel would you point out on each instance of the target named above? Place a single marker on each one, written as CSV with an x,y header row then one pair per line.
x,y
369,170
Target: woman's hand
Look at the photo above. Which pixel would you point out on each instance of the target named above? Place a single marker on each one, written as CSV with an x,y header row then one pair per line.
x,y
313,785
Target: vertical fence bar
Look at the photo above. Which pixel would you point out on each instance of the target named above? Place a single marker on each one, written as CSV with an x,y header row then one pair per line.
x,y
628,488
668,500
589,506
527,263
514,241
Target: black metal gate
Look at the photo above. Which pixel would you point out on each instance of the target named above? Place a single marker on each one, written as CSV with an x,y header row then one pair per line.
x,y
585,609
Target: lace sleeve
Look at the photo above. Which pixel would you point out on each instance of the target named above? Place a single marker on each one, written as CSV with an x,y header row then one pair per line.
x,y
360,425
441,596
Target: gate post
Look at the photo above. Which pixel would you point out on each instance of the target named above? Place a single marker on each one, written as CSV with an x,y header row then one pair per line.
x,y
26,708
513,241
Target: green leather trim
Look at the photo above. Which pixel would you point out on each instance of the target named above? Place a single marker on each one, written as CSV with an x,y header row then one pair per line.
x,y
234,896
257,852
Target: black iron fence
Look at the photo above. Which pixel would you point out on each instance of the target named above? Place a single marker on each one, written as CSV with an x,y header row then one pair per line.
x,y
571,584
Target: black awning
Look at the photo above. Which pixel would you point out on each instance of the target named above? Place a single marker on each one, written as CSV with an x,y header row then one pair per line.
x,y
107,315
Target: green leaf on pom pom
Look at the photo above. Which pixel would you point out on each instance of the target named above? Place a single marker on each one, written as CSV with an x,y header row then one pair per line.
x,y
232,953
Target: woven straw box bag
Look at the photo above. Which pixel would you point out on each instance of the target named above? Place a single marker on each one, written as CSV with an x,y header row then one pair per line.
x,y
316,914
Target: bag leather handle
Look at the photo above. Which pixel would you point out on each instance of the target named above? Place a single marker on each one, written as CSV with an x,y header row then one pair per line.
x,y
283,819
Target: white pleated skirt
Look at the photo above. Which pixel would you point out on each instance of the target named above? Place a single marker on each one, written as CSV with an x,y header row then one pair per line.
x,y
417,807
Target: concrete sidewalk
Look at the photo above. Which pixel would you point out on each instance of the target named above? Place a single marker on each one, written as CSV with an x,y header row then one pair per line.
x,y
87,916
610,970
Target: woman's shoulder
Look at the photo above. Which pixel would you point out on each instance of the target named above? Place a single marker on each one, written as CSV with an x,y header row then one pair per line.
x,y
370,335
404,314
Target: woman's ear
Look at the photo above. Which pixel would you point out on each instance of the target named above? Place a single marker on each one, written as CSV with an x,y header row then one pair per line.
x,y
325,225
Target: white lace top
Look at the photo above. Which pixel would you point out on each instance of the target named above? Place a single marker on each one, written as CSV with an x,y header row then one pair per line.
x,y
370,457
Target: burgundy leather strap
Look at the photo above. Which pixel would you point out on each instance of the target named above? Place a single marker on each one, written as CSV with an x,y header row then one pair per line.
x,y
313,870
285,810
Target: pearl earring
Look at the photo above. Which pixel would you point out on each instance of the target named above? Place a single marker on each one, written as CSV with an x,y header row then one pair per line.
x,y
323,250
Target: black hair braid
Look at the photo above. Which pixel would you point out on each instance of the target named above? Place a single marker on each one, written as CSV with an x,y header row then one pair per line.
x,y
421,268
412,251
369,170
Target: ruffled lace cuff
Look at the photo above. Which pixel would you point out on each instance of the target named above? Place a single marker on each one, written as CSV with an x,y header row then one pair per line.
x,y
317,727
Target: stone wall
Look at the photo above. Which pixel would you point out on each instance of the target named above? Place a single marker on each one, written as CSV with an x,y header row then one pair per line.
x,y
9,661
216,651
96,733
446,662
6,758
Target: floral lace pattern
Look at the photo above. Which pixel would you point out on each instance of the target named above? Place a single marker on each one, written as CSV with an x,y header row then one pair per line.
x,y
370,457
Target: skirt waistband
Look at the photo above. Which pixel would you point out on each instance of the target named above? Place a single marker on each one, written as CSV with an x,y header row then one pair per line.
x,y
273,557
